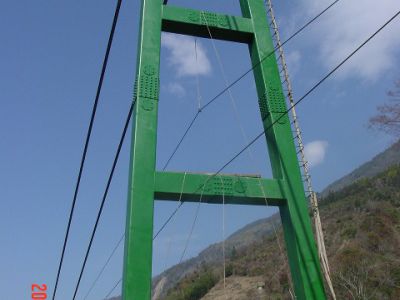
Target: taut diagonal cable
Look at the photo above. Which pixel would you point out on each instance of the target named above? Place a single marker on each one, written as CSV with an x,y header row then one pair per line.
x,y
193,224
104,266
88,135
120,241
112,289
284,113
223,91
246,140
223,235
301,152
105,194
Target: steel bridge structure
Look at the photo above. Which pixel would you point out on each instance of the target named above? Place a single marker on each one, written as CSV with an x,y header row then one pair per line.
x,y
146,184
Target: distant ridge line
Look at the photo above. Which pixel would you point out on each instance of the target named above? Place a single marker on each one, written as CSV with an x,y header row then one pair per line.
x,y
378,164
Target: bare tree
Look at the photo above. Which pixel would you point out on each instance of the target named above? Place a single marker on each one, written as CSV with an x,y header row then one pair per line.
x,y
388,117
354,280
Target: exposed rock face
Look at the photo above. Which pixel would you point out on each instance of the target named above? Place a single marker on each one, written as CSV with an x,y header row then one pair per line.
x,y
238,288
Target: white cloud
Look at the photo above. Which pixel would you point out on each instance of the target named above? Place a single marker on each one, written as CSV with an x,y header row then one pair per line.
x,y
315,152
346,26
176,89
182,55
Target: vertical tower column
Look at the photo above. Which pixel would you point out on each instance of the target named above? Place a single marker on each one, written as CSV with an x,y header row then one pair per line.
x,y
139,222
302,254
252,28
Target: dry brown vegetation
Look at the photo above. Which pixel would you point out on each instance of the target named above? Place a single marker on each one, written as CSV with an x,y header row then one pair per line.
x,y
362,232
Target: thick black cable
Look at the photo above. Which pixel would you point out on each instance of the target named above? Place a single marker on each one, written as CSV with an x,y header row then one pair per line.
x,y
286,112
278,119
88,135
223,91
220,94
127,121
117,245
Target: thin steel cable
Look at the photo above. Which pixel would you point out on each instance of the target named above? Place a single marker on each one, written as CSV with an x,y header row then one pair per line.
x,y
301,154
244,136
127,121
85,149
181,140
220,94
197,77
180,196
119,242
167,221
310,90
223,233
198,112
112,289
193,224
240,78
284,113
104,266
198,96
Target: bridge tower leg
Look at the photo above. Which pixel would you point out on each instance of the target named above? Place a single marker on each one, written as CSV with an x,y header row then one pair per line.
x,y
146,184
139,223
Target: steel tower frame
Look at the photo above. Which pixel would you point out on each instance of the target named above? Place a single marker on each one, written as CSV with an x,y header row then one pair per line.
x,y
146,184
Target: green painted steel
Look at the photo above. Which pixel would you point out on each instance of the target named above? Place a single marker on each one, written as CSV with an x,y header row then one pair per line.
x,y
145,183
139,222
194,22
237,189
302,252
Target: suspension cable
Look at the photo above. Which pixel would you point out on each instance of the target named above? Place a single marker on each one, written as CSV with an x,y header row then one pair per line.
x,y
193,225
301,152
312,89
120,241
85,149
111,175
104,266
223,234
223,91
283,114
112,289
245,137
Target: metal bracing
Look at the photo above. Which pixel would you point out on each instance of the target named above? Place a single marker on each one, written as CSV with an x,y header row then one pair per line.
x,y
145,184
236,189
284,73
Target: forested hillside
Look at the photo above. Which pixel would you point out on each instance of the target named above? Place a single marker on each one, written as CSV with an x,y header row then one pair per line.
x,y
362,231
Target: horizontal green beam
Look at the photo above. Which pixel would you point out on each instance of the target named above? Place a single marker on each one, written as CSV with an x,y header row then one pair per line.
x,y
195,22
237,189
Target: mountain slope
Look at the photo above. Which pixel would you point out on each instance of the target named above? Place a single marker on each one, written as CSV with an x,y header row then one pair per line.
x,y
379,163
252,232
213,254
242,242
362,230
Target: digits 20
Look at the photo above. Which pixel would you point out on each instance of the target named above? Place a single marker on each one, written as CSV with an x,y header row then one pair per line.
x,y
39,292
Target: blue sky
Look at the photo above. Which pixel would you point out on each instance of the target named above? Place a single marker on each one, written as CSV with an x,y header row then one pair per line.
x,y
50,61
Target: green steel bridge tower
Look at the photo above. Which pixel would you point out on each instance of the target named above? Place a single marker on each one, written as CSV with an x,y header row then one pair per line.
x,y
146,184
